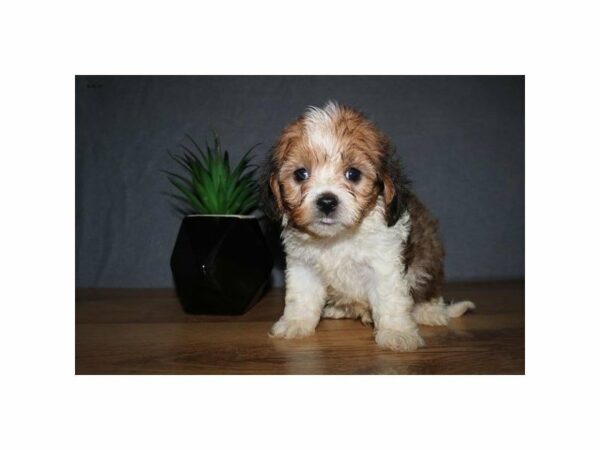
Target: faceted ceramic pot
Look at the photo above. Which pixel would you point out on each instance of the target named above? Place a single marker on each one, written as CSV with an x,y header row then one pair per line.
x,y
220,264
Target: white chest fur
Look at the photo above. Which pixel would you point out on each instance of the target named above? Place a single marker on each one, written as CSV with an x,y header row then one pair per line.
x,y
346,263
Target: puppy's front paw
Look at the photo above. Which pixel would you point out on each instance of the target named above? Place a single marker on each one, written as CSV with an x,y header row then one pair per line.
x,y
289,329
400,341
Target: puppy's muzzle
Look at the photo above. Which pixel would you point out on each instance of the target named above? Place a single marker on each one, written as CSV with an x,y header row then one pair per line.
x,y
327,203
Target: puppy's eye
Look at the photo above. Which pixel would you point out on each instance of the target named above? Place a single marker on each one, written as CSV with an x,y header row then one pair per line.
x,y
301,175
353,175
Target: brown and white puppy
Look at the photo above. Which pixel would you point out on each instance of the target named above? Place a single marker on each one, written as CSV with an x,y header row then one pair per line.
x,y
358,243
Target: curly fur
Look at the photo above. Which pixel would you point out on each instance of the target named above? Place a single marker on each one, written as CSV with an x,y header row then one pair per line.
x,y
377,256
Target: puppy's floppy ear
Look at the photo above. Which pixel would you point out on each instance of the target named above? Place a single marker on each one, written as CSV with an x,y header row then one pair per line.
x,y
271,198
395,187
270,192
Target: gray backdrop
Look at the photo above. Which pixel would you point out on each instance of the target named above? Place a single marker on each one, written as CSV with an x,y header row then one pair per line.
x,y
461,140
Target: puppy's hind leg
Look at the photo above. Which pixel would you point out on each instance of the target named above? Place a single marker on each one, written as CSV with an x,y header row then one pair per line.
x,y
437,313
333,311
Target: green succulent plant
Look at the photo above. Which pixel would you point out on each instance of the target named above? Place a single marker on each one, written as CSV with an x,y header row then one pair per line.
x,y
210,185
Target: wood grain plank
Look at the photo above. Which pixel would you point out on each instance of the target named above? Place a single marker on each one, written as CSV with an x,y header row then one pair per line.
x,y
145,332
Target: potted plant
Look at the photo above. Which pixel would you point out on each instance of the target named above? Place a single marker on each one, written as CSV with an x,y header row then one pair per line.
x,y
221,263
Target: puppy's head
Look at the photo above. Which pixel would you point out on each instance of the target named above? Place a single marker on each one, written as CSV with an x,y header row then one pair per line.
x,y
327,170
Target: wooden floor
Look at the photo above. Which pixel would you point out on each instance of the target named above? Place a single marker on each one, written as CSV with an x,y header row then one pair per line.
x,y
144,331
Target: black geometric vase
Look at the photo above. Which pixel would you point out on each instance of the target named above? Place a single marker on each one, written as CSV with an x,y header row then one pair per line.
x,y
220,264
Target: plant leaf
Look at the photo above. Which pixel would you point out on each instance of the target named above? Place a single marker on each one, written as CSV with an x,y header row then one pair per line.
x,y
189,195
211,186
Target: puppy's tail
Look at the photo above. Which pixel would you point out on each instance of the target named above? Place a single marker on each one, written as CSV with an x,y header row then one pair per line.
x,y
436,312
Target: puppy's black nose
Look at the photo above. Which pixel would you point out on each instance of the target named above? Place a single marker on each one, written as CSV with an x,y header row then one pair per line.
x,y
327,203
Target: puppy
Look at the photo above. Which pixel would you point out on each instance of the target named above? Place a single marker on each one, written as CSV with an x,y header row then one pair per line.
x,y
358,243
